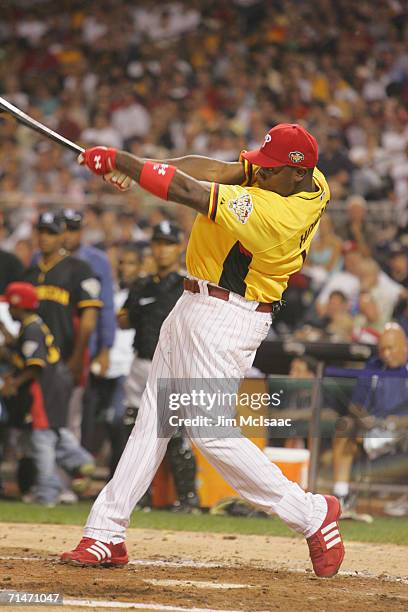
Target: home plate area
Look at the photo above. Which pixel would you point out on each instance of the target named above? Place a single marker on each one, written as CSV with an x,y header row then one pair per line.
x,y
221,573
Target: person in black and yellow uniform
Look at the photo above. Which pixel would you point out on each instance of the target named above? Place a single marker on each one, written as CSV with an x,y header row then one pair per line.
x,y
67,288
36,392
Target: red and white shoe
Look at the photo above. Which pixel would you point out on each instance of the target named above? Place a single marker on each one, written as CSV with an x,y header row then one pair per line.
x,y
95,552
326,546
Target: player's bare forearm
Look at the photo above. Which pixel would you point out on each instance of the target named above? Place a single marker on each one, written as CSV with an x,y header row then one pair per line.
x,y
211,170
87,324
184,189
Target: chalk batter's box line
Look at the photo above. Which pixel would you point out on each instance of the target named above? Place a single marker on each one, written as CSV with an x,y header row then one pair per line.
x,y
214,565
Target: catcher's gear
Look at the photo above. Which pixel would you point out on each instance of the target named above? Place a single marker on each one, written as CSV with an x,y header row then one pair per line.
x,y
26,474
235,506
130,416
81,477
120,181
183,468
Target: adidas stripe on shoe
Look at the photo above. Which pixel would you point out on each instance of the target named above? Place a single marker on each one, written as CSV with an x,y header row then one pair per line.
x,y
326,546
95,552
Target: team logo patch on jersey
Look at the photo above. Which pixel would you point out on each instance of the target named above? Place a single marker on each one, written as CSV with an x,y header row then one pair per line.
x,y
296,157
241,207
92,286
29,347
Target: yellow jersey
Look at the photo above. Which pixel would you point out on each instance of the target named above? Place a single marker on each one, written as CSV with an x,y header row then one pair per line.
x,y
252,239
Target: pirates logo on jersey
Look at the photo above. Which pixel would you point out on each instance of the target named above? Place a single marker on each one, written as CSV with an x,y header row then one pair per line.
x,y
241,207
29,347
296,157
92,286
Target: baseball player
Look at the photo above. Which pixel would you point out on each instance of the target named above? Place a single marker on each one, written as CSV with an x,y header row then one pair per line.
x,y
66,287
149,302
37,392
257,218
102,338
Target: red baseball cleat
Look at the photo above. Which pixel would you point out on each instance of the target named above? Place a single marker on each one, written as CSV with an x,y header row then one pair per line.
x,y
326,547
95,552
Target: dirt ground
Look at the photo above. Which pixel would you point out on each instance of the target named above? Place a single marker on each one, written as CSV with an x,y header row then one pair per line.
x,y
251,573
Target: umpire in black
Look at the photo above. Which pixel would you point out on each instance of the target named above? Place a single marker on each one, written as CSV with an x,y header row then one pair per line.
x,y
149,302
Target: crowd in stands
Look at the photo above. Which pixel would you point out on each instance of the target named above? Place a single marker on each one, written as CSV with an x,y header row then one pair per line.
x,y
211,77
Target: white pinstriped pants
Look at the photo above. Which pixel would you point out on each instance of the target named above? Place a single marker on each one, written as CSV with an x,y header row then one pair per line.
x,y
203,337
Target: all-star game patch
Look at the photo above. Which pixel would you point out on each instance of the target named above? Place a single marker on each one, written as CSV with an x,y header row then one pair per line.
x,y
296,157
242,207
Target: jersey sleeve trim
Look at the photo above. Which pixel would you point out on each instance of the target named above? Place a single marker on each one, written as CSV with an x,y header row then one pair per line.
x,y
35,362
212,208
248,171
90,304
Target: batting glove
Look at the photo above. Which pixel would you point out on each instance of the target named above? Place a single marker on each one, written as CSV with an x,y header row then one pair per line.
x,y
99,160
120,181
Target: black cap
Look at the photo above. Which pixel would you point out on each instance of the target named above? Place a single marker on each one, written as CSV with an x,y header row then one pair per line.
x,y
168,230
51,221
72,218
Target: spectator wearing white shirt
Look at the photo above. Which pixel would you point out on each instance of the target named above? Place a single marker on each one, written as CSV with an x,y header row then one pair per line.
x,y
363,278
131,119
356,227
347,280
31,28
399,175
102,133
378,296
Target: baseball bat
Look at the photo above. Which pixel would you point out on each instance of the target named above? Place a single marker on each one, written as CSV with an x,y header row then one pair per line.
x,y
37,126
